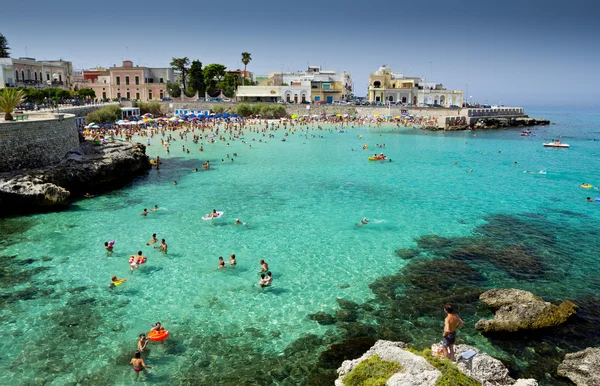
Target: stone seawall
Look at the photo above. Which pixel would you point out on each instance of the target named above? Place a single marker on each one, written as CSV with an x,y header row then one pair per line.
x,y
41,140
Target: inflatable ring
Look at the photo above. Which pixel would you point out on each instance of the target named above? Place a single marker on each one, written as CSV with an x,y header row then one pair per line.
x,y
157,336
142,261
586,186
118,282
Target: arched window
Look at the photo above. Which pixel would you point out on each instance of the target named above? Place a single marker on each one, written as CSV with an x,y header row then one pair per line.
x,y
22,75
377,84
28,74
35,76
391,98
17,75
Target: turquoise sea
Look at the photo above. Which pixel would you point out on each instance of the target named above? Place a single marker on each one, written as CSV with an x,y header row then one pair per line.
x,y
437,233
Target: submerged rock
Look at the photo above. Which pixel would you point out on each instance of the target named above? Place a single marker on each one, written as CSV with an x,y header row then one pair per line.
x,y
407,253
520,310
94,168
582,367
416,371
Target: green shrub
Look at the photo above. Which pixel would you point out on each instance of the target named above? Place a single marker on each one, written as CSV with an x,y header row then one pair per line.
x,y
372,372
105,115
150,107
218,109
451,375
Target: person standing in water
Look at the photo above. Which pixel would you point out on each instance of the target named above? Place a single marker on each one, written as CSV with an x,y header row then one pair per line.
x,y
452,323
138,364
153,240
162,246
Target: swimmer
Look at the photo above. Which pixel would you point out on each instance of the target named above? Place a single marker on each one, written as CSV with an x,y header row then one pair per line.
x,y
138,364
195,170
213,214
142,342
470,171
135,263
589,199
162,246
174,182
364,221
145,212
232,260
155,208
152,240
114,281
238,222
87,195
269,279
264,267
157,327
263,281
221,263
108,245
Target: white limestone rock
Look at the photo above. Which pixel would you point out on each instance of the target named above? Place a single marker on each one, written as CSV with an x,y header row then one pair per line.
x,y
582,367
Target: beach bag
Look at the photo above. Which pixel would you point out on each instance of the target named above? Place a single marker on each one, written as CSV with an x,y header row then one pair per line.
x,y
437,349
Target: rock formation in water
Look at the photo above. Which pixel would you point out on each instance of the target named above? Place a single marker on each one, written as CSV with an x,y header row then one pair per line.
x,y
496,123
522,310
582,367
94,168
417,371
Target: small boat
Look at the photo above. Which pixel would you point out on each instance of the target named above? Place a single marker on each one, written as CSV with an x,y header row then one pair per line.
x,y
556,144
377,158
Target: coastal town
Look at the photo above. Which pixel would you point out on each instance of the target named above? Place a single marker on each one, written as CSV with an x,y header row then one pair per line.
x,y
208,225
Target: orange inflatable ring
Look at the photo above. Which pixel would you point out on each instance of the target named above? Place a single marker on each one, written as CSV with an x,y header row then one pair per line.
x,y
158,335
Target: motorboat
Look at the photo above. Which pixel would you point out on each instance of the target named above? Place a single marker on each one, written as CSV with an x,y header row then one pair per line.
x,y
556,144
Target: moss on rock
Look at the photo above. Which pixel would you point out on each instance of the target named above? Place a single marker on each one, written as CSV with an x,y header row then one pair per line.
x,y
372,372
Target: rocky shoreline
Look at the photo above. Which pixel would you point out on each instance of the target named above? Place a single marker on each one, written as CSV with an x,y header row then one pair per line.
x,y
496,123
94,168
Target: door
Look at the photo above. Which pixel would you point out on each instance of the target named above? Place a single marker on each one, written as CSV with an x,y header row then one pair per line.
x,y
295,98
329,99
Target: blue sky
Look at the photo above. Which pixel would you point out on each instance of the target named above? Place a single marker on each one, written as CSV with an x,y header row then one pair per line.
x,y
513,52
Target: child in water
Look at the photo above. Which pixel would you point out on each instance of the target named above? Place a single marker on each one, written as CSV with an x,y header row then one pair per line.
x,y
108,245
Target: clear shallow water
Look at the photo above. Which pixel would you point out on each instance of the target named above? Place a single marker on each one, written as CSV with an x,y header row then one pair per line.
x,y
301,199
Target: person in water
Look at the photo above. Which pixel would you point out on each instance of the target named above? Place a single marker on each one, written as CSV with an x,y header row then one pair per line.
x,y
162,246
158,327
155,208
221,263
138,364
451,324
108,245
213,214
142,342
263,281
232,261
145,212
114,281
153,240
264,267
589,199
269,279
364,221
238,222
135,264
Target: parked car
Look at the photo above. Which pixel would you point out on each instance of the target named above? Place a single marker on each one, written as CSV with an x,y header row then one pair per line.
x,y
226,100
281,102
165,99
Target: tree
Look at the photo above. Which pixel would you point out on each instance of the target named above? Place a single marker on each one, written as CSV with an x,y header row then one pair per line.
x,y
228,84
9,99
181,64
4,53
197,78
174,90
246,59
86,93
213,74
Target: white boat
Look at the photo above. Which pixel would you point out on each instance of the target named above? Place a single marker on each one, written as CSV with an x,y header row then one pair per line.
x,y
556,144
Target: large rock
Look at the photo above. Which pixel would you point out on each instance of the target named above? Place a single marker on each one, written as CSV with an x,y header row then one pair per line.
x,y
497,298
582,367
94,168
486,369
416,371
526,312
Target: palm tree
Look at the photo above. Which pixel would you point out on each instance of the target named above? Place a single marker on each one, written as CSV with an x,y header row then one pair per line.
x,y
245,59
9,99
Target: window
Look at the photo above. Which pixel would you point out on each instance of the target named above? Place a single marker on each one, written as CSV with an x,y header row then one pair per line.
x,y
35,76
377,84
47,76
326,86
118,80
137,80
162,95
119,95
22,75
126,80
60,77
314,86
128,95
137,95
103,94
160,80
17,75
149,95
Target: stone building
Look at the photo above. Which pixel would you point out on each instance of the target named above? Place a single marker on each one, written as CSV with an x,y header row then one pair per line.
x,y
312,85
388,86
127,82
28,72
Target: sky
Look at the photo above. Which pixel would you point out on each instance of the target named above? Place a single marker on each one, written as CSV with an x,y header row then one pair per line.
x,y
507,51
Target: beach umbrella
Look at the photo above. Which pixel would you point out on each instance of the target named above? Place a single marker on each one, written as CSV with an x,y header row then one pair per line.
x,y
388,116
107,125
95,127
294,116
397,116
375,115
338,115
315,116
